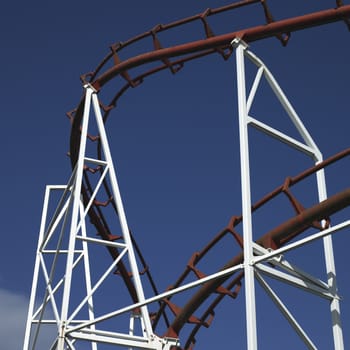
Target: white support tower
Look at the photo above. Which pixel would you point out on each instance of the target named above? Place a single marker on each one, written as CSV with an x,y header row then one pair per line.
x,y
252,265
63,312
65,240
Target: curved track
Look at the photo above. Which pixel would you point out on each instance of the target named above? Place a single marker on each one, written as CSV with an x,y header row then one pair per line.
x,y
174,58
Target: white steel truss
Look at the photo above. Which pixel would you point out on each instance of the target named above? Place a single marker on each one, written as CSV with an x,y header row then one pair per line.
x,y
64,237
252,264
68,233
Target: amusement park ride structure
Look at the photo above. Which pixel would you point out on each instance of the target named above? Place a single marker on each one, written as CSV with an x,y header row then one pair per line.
x,y
67,274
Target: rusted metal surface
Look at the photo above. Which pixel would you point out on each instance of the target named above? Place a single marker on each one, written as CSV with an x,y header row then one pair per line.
x,y
224,41
273,239
188,51
174,59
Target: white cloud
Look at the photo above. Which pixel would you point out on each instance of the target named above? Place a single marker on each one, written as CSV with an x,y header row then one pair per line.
x,y
13,314
13,317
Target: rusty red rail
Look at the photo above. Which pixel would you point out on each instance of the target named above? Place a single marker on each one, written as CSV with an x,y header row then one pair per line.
x,y
189,51
224,41
277,237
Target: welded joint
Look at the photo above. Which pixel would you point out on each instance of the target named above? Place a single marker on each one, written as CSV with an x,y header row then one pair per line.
x,y
168,342
251,263
239,42
279,258
261,251
89,86
62,330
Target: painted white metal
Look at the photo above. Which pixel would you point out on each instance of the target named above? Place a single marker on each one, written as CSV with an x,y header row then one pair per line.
x,y
88,282
57,217
308,147
92,98
95,287
281,136
75,199
36,272
254,88
71,329
122,216
281,262
285,103
36,317
164,295
286,313
302,242
330,267
294,281
252,343
71,208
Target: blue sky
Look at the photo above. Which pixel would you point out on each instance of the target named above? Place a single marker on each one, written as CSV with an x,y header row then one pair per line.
x,y
174,141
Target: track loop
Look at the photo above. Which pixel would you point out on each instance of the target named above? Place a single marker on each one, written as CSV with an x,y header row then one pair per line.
x,y
174,58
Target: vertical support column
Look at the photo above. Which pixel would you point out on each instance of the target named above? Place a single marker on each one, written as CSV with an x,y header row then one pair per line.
x,y
88,283
246,200
331,272
36,270
75,203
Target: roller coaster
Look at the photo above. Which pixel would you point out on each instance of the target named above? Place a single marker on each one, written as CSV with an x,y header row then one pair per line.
x,y
88,212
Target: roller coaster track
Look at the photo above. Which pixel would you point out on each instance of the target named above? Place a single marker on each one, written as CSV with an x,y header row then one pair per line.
x,y
158,58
